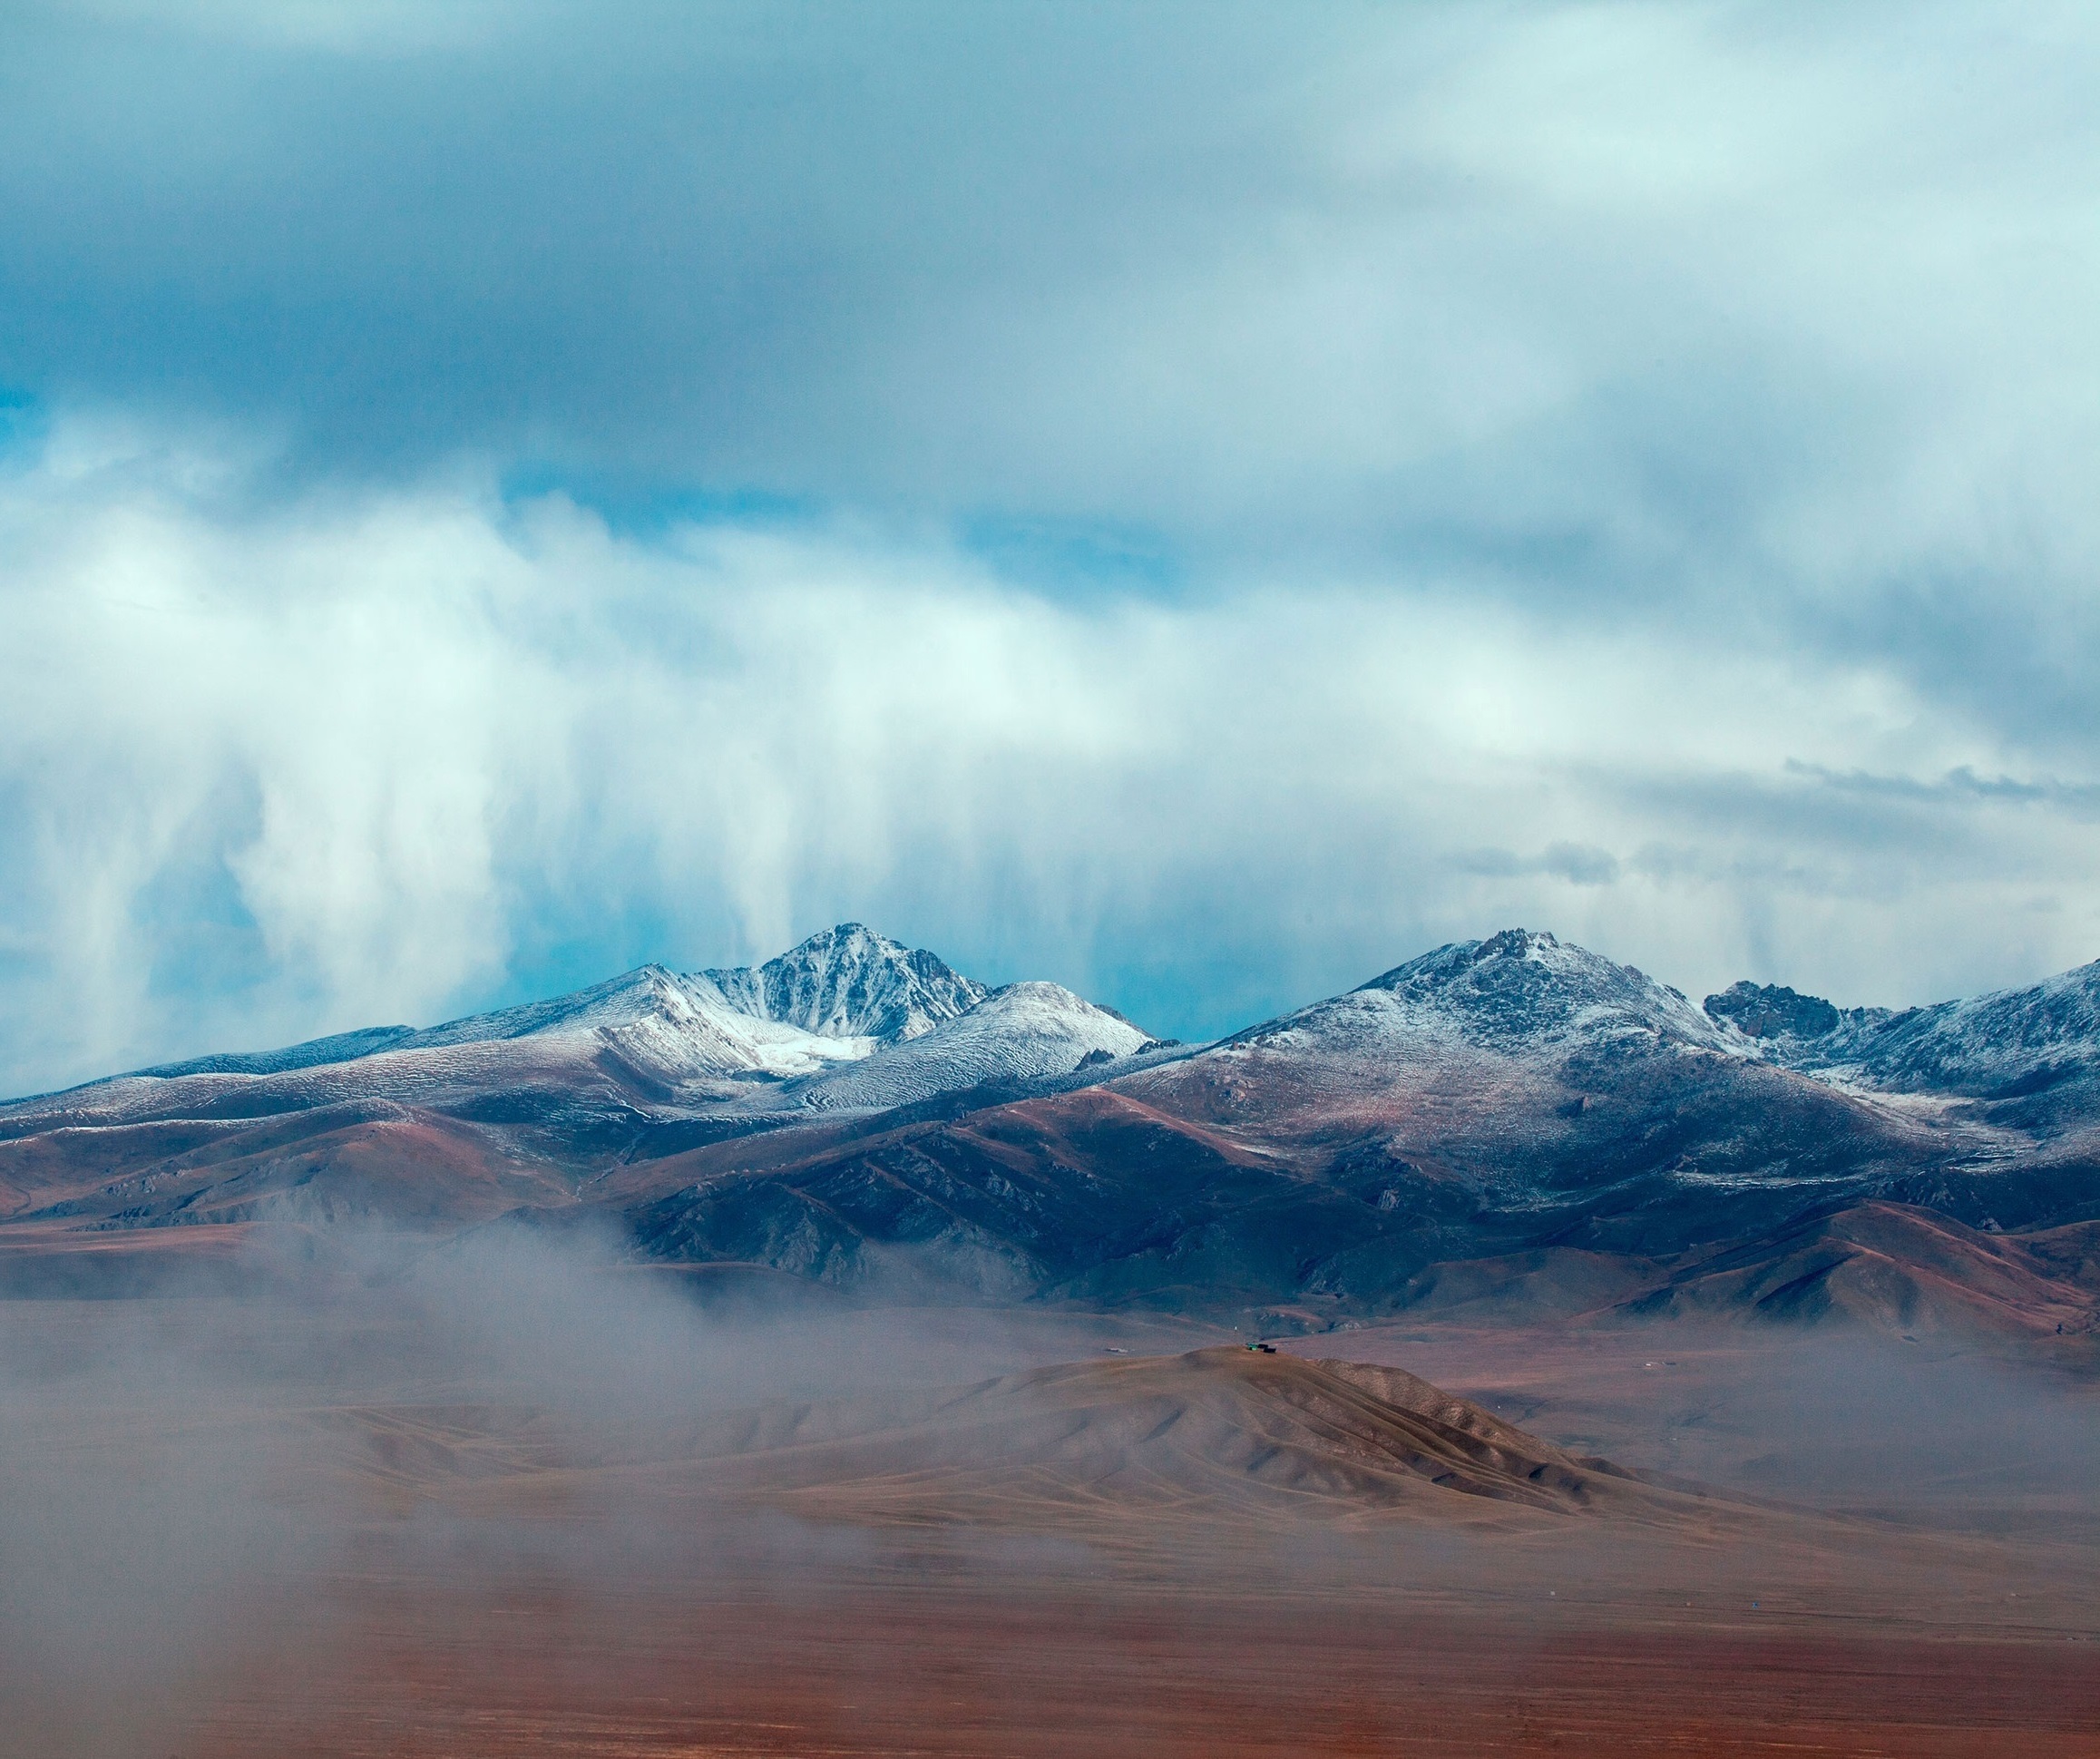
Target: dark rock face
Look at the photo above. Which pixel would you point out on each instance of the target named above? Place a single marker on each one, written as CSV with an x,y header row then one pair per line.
x,y
1771,1011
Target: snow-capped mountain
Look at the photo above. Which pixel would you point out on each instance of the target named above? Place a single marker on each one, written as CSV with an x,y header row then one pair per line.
x,y
675,1028
614,1061
851,982
648,1037
678,1027
1514,1112
1510,1119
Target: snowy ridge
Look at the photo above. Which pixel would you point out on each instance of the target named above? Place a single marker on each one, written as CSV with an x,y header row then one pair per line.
x,y
1023,1032
677,1028
2008,1044
1513,1102
342,1047
1504,1040
850,982
851,1019
669,1037
727,1038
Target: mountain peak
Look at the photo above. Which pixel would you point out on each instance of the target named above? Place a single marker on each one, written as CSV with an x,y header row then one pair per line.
x,y
849,982
1517,943
1771,1011
1525,983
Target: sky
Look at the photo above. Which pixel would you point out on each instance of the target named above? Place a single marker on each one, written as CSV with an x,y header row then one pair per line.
x,y
1199,502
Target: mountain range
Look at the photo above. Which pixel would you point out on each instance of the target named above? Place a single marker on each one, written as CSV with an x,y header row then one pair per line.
x,y
1500,1128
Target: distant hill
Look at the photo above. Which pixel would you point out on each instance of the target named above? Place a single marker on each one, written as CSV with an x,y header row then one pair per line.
x,y
1224,1435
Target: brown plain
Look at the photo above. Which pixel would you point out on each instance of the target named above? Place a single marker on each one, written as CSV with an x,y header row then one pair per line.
x,y
1214,1552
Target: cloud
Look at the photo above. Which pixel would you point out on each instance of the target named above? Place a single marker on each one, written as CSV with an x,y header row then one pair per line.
x,y
1577,863
1708,298
1199,504
279,768
1606,311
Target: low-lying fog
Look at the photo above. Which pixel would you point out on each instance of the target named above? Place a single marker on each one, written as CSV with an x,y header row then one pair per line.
x,y
167,1465
184,1504
1949,1429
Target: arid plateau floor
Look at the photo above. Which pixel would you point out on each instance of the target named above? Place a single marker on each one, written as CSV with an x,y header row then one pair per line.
x,y
400,1516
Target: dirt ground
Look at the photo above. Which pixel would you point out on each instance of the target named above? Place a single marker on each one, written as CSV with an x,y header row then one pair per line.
x,y
999,1665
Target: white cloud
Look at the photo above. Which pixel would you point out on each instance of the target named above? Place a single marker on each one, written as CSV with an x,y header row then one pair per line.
x,y
389,748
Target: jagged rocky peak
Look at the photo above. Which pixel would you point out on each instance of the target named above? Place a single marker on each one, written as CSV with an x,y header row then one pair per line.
x,y
1524,983
851,982
1772,1011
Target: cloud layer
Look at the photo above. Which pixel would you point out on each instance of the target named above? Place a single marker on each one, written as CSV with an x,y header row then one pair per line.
x,y
366,757
1201,503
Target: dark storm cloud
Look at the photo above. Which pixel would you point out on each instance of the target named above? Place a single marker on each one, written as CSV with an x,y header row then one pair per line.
x,y
808,248
1577,303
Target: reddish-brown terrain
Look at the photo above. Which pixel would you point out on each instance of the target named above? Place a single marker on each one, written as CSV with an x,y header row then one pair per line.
x,y
431,1505
996,1662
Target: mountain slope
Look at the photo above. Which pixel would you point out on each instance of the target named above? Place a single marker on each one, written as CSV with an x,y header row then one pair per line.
x,y
1018,1034
1521,990
1517,1073
833,998
1513,1103
2006,1045
1900,1269
1218,1432
640,1066
2024,1062
645,1035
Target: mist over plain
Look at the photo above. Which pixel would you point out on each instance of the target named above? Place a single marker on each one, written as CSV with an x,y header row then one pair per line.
x,y
215,1491
191,1501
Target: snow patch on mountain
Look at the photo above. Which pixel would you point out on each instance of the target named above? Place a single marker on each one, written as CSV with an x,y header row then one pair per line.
x,y
2006,1045
1023,1032
1524,990
675,1028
